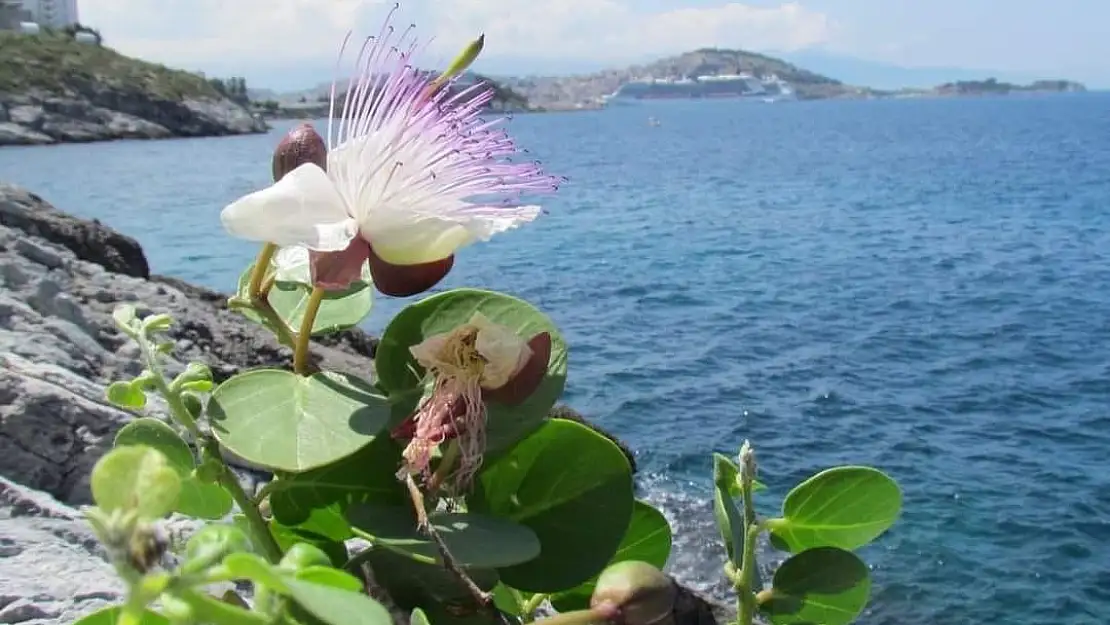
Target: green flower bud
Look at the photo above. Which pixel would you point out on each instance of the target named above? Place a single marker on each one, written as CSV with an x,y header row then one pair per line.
x,y
634,593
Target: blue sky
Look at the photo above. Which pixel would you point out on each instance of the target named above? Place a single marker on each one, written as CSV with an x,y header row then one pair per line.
x,y
289,44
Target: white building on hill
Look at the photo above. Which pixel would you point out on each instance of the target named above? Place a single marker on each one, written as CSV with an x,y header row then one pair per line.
x,y
52,13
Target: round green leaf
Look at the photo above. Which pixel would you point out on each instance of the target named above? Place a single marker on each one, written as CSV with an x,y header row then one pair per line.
x,y
473,539
573,488
203,500
157,435
419,618
135,478
287,422
398,371
844,507
647,539
110,616
339,310
824,585
337,606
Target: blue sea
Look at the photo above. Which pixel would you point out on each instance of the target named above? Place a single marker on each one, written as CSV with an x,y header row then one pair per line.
x,y
919,285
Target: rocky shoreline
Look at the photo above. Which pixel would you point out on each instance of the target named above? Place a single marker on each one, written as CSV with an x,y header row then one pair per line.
x,y
43,119
60,278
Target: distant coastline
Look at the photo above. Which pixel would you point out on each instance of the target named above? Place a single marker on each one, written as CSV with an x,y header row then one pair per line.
x,y
58,88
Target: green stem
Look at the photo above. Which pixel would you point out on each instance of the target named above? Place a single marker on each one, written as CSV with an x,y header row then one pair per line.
x,y
745,591
261,266
304,337
531,605
227,477
262,535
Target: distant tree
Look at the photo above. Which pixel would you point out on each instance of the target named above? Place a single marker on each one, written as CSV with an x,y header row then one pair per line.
x,y
78,27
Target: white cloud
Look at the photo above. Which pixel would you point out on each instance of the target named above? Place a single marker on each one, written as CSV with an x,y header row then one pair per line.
x,y
615,30
192,33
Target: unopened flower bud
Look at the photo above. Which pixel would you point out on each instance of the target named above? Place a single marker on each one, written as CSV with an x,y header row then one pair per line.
x,y
299,146
634,593
407,280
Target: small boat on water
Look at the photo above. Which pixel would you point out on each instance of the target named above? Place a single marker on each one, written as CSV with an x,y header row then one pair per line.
x,y
654,122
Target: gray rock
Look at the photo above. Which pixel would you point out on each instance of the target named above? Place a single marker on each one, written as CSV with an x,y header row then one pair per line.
x,y
54,425
98,113
15,134
88,240
52,569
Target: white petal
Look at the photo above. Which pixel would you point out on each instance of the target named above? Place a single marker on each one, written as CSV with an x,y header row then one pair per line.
x,y
428,239
505,352
292,265
303,208
427,352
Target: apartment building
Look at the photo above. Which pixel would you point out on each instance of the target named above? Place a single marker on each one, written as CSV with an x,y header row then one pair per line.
x,y
52,13
12,14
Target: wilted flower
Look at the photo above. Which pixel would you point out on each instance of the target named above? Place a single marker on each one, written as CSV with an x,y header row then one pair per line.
x,y
469,365
412,174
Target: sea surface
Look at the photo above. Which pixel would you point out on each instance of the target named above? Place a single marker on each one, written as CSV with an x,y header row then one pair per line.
x,y
918,285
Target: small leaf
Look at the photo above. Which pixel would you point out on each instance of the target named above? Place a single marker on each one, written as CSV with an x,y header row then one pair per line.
x,y
287,537
155,434
473,539
508,600
156,323
419,618
211,544
135,478
647,539
255,568
110,616
573,488
399,372
126,395
283,421
844,507
335,606
825,585
203,499
327,576
125,317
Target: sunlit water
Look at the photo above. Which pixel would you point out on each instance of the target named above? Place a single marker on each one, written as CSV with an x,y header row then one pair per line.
x,y
919,285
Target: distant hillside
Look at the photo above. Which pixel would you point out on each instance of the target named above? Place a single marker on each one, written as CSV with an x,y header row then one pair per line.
x,y
313,102
55,89
584,91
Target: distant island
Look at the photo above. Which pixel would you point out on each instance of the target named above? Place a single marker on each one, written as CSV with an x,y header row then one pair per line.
x,y
992,86
722,73
57,87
